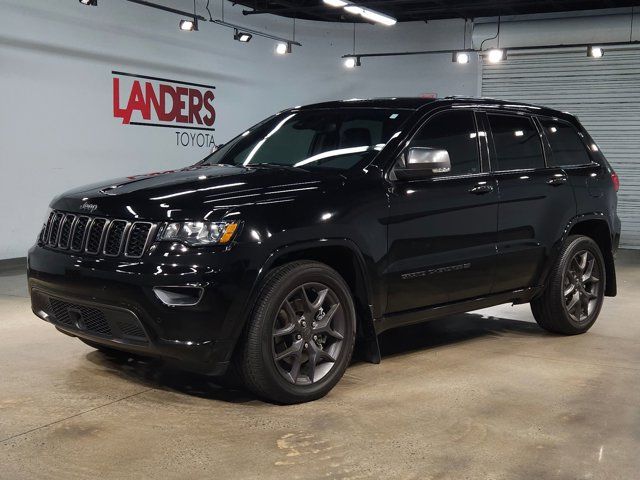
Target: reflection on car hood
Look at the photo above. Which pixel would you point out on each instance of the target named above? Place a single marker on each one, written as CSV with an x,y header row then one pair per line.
x,y
196,192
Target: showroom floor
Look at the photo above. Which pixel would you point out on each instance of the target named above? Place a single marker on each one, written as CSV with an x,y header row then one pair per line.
x,y
484,395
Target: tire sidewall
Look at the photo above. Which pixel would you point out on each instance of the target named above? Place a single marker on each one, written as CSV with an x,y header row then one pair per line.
x,y
266,316
581,243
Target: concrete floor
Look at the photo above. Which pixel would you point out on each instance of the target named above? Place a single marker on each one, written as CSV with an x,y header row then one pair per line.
x,y
484,395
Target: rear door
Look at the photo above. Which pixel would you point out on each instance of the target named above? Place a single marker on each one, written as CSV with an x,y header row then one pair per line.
x,y
442,230
536,201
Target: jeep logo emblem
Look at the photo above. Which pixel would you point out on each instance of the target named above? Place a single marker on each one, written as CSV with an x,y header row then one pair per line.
x,y
90,207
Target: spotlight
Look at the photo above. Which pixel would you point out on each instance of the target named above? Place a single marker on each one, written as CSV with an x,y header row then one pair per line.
x,y
189,25
461,57
335,3
283,48
93,3
242,37
352,62
594,52
496,55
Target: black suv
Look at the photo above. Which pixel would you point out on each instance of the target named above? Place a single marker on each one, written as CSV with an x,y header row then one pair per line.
x,y
325,225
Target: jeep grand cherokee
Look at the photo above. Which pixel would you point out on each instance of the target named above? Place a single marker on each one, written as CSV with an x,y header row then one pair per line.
x,y
328,224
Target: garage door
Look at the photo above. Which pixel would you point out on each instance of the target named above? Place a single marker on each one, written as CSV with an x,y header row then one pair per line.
x,y
605,95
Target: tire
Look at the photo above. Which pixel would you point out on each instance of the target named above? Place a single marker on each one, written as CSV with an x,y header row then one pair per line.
x,y
573,296
275,357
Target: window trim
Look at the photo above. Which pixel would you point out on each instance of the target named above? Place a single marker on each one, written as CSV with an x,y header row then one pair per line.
x,y
540,118
484,168
492,145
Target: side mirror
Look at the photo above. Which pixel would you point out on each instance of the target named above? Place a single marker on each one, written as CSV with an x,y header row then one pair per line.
x,y
423,162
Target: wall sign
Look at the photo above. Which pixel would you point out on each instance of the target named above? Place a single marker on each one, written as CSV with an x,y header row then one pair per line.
x,y
147,101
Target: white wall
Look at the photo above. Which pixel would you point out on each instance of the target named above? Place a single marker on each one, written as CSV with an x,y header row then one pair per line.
x,y
57,128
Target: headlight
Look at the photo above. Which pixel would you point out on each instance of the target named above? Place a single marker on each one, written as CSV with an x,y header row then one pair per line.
x,y
200,233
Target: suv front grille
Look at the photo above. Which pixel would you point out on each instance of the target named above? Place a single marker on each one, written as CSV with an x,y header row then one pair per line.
x,y
96,235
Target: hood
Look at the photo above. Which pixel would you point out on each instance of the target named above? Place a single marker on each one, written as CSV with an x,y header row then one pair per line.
x,y
195,193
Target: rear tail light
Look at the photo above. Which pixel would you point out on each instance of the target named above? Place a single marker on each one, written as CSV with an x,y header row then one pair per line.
x,y
615,180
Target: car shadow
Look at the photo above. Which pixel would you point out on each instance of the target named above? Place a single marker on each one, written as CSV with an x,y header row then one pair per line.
x,y
452,330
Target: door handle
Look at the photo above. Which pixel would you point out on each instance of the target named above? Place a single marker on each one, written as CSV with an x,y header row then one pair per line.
x,y
481,189
555,181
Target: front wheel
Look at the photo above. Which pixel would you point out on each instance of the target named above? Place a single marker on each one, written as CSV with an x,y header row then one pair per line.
x,y
300,337
573,297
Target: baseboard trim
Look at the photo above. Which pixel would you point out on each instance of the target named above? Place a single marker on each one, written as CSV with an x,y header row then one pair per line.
x,y
13,264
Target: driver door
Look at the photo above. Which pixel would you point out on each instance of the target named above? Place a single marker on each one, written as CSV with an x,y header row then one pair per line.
x,y
442,228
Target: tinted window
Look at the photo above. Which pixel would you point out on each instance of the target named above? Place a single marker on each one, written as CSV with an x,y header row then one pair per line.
x,y
566,144
339,138
517,142
455,132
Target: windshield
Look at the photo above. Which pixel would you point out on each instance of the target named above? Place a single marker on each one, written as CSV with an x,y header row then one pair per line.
x,y
338,139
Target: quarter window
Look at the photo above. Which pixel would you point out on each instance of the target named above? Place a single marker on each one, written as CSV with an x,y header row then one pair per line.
x,y
517,142
566,145
455,132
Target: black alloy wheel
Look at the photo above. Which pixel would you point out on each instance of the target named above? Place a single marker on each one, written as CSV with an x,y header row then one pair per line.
x,y
308,333
582,286
300,337
574,294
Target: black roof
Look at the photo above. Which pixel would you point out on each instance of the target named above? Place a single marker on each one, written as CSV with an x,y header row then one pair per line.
x,y
415,103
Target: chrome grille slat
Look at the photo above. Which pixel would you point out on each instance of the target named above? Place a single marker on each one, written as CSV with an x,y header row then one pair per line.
x,y
47,228
65,231
115,237
79,233
55,229
97,235
138,239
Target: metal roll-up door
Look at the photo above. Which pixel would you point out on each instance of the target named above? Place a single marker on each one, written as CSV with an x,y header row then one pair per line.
x,y
605,95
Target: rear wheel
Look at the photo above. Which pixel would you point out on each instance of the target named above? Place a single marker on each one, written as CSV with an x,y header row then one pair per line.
x,y
573,297
300,337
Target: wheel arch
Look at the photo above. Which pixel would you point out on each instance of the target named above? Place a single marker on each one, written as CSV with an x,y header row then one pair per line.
x,y
597,228
345,257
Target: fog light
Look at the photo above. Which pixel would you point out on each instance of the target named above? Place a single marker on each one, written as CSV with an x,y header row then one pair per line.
x,y
179,296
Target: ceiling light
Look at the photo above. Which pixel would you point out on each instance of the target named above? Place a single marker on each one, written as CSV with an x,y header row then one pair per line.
x,y
496,55
335,3
93,3
594,52
242,36
356,10
461,57
283,48
189,25
351,62
378,17
364,12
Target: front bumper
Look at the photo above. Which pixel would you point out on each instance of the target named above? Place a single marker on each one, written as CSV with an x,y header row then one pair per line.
x,y
111,301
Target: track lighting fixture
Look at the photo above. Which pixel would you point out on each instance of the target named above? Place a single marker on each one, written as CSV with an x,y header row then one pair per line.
x,y
594,52
496,55
189,25
242,36
461,57
283,48
92,3
352,62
